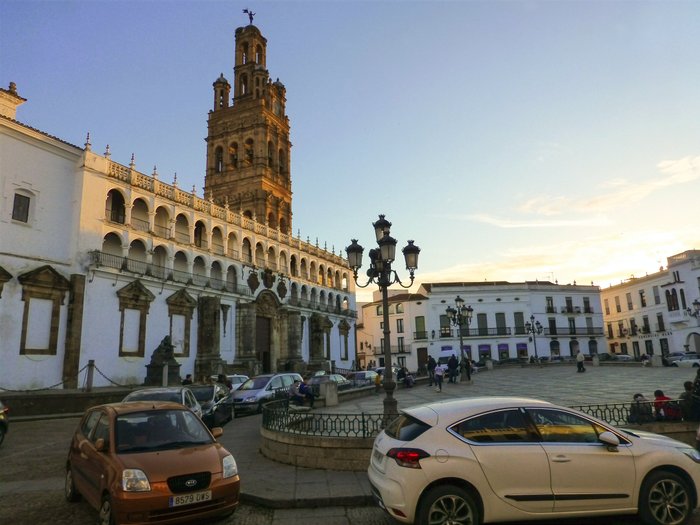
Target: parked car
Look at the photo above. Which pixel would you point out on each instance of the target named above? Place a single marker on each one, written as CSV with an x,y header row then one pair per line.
x,y
687,362
150,461
362,377
316,381
623,357
216,402
4,422
671,357
257,390
236,380
394,371
492,459
177,394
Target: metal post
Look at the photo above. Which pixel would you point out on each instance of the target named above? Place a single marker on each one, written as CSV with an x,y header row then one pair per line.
x,y
90,375
390,404
165,375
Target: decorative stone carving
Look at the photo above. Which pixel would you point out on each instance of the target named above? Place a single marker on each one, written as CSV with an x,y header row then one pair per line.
x,y
253,282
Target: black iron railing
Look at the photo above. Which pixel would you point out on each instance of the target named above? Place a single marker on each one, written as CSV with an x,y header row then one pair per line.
x,y
277,417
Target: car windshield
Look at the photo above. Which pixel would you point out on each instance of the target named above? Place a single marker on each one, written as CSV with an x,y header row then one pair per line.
x,y
203,393
154,396
255,383
159,430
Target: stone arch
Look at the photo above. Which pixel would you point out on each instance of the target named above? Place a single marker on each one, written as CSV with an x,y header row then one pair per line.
x,y
161,222
115,206
112,244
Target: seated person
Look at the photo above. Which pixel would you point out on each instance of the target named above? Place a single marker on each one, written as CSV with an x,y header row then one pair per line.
x,y
666,409
640,410
300,392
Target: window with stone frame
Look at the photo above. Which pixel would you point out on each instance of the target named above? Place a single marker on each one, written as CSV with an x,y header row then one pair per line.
x,y
20,207
43,293
134,304
181,307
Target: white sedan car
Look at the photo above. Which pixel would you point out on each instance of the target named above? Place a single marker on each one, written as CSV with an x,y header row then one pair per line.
x,y
687,362
496,459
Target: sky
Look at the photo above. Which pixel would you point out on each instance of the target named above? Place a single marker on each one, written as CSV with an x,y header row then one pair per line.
x,y
511,140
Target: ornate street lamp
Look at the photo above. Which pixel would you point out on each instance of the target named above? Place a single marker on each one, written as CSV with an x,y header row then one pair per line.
x,y
534,328
695,312
380,273
458,317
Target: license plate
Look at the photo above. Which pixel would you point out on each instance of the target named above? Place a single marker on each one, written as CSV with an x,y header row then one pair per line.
x,y
378,456
189,499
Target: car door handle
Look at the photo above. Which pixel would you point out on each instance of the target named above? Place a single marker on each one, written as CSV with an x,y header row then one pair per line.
x,y
561,459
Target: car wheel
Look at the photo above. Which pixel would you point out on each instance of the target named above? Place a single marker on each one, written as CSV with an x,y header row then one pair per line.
x,y
695,365
69,490
448,504
2,435
674,364
664,500
106,516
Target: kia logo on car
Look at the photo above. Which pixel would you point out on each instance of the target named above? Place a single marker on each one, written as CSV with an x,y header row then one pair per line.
x,y
190,483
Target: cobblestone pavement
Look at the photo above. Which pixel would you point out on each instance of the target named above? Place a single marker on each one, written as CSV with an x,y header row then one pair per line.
x,y
33,454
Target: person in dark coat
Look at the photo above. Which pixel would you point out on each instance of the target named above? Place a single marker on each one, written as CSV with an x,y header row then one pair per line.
x,y
452,367
431,370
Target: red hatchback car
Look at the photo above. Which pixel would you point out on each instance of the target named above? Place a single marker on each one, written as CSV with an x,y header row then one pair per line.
x,y
150,462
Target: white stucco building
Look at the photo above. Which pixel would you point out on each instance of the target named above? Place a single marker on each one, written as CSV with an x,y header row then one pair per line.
x,y
657,313
101,262
570,316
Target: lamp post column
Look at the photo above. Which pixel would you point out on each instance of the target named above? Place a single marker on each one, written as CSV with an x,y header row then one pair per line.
x,y
390,404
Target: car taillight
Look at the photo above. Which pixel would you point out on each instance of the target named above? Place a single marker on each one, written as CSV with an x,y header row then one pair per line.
x,y
407,457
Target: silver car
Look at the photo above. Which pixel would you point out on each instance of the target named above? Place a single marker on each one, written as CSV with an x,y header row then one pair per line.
x,y
178,394
257,390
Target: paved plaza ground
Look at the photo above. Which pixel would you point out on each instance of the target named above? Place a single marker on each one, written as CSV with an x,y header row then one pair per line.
x,y
557,383
34,452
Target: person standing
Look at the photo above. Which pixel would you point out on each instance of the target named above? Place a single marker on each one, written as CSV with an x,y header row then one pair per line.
x,y
439,375
452,366
580,358
431,370
187,380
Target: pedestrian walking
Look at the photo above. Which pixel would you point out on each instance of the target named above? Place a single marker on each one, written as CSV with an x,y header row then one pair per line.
x,y
439,375
580,358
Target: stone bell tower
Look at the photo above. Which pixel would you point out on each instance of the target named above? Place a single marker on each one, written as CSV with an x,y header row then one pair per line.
x,y
248,146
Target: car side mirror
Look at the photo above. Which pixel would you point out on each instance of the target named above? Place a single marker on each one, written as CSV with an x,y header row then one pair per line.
x,y
217,432
610,439
100,445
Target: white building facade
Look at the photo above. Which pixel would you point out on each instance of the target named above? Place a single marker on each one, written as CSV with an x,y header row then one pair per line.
x,y
100,262
658,313
570,317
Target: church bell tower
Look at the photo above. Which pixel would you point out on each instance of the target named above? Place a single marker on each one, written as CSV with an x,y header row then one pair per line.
x,y
248,146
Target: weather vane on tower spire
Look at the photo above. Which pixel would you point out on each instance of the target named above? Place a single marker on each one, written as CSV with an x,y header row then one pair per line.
x,y
250,15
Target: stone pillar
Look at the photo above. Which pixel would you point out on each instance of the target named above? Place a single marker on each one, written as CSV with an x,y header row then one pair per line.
x,y
208,360
74,330
246,358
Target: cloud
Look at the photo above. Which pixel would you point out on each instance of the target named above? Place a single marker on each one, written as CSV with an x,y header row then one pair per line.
x,y
621,193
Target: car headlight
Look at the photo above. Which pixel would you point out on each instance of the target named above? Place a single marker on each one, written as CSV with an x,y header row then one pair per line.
x,y
135,480
230,467
251,399
691,453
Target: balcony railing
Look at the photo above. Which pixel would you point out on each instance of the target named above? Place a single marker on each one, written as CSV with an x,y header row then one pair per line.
x,y
419,336
124,264
578,330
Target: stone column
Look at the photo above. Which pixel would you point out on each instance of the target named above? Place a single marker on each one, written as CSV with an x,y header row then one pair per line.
x,y
208,360
246,358
74,330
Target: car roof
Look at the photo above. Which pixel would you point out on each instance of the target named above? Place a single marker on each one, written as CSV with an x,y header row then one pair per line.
x,y
160,389
128,407
456,409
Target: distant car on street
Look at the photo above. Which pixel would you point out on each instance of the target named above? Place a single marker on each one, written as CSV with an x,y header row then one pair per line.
x,y
316,382
216,402
687,361
362,377
671,357
236,380
176,394
252,394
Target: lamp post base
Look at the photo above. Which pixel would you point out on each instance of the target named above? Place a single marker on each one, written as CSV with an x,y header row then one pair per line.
x,y
465,378
391,405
